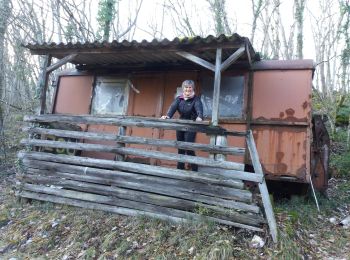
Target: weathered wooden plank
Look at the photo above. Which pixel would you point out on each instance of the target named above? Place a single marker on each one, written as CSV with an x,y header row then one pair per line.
x,y
254,220
43,83
120,210
121,132
137,140
196,60
143,183
146,197
216,94
238,53
230,178
96,206
262,187
169,124
137,152
61,62
138,181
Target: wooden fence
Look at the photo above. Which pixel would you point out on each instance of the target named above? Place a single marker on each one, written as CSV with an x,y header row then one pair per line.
x,y
131,188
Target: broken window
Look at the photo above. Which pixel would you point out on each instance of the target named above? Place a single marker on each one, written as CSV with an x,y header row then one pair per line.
x,y
110,96
231,96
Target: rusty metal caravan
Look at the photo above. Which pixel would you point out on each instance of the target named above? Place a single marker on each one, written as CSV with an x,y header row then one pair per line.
x,y
122,89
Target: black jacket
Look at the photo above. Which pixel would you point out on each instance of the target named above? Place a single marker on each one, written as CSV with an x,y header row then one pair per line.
x,y
188,109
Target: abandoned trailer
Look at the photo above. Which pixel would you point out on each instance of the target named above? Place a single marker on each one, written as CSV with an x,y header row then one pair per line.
x,y
102,144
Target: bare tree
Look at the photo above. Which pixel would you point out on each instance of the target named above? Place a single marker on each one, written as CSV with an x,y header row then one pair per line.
x,y
4,18
179,14
299,7
218,9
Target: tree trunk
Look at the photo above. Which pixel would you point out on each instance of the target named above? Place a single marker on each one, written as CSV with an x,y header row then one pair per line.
x,y
4,16
299,18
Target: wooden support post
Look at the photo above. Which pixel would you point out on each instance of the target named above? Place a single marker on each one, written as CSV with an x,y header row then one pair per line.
x,y
196,60
262,187
60,63
43,83
121,132
216,94
232,58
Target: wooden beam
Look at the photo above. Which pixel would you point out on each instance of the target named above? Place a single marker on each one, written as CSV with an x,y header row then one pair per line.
x,y
262,187
248,53
61,62
137,152
216,94
43,83
136,181
140,196
187,125
232,58
196,60
224,177
136,140
121,210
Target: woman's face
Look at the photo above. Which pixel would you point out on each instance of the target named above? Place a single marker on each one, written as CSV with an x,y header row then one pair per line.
x,y
188,90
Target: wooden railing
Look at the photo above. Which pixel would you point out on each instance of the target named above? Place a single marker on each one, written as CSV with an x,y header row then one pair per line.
x,y
137,189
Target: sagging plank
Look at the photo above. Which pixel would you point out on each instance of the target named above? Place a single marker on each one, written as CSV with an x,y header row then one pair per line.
x,y
137,140
137,152
137,181
140,196
230,178
254,220
116,209
262,187
169,124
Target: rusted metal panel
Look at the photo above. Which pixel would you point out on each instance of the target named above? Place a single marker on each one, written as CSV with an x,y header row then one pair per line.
x,y
282,96
283,65
283,151
73,95
146,103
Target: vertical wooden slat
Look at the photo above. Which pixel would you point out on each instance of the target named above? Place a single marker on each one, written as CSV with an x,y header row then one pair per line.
x,y
262,187
121,132
43,82
216,93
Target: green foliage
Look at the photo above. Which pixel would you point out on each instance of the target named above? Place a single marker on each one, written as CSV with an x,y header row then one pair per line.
x,y
343,113
105,16
341,164
340,157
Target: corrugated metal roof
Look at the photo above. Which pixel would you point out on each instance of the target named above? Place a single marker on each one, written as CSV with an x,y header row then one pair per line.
x,y
145,53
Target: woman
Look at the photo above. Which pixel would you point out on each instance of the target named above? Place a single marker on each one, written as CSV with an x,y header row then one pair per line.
x,y
190,107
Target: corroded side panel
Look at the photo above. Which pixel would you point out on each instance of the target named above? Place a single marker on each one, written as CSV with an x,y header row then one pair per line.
x,y
282,96
73,95
281,122
283,151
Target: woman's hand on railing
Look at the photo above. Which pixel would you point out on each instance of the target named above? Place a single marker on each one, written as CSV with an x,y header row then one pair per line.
x,y
164,117
199,119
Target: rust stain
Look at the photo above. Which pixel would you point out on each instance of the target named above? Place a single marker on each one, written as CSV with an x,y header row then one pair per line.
x,y
280,167
305,105
290,112
279,156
